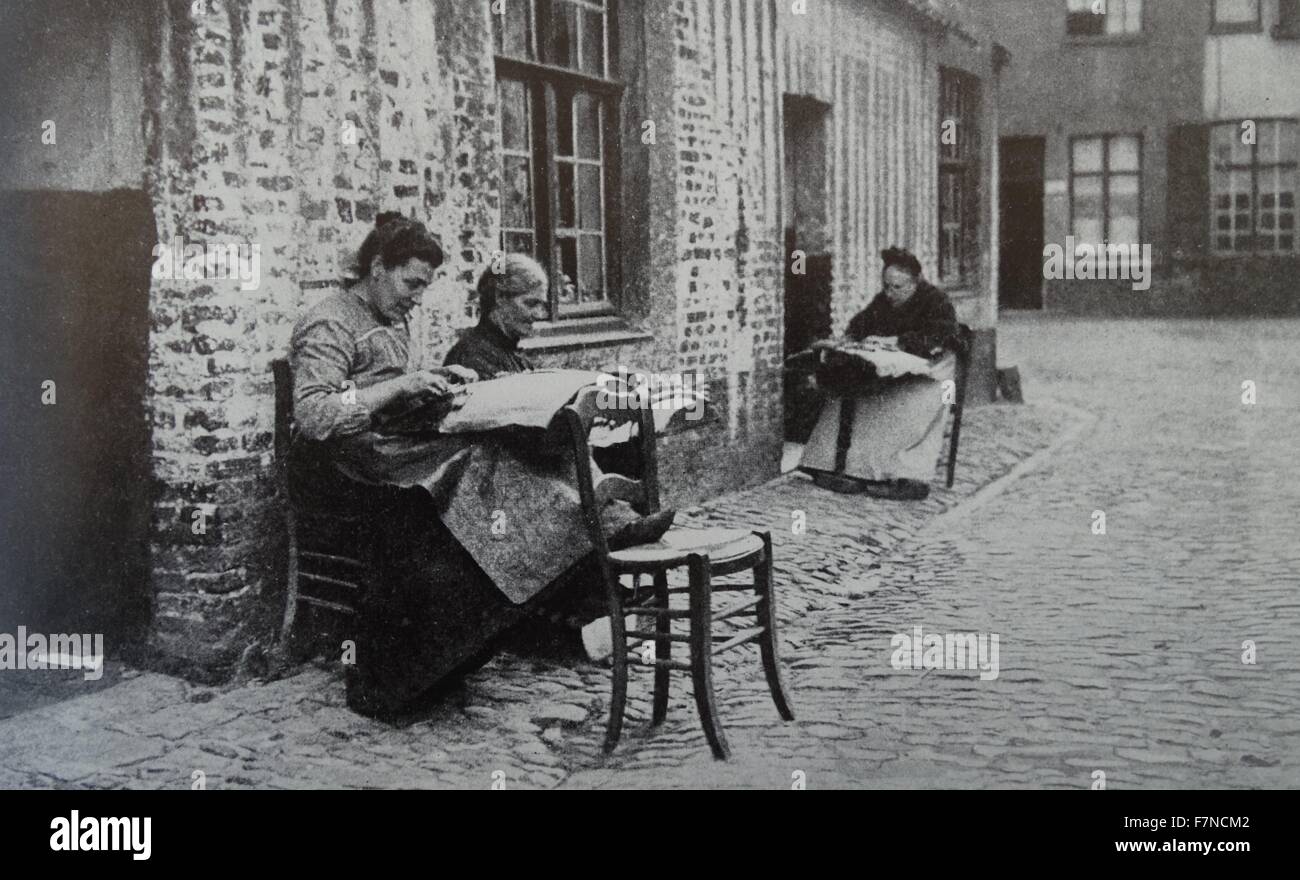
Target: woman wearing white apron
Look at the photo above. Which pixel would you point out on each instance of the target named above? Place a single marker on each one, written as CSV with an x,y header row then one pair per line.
x,y
885,434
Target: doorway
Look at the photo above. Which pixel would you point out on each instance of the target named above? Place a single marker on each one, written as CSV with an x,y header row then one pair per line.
x,y
74,449
1020,208
808,259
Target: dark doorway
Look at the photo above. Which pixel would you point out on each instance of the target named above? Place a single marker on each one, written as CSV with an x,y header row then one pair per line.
x,y
808,263
75,508
1020,268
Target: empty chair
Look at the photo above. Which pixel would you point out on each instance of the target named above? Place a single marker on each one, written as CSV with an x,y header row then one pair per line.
x,y
705,554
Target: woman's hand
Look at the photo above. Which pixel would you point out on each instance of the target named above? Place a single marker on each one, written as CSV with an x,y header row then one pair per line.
x,y
457,373
425,383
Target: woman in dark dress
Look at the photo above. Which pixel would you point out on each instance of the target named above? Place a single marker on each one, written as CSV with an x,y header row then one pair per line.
x,y
511,298
910,308
894,427
510,301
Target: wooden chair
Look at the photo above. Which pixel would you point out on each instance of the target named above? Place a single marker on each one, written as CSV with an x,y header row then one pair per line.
x,y
964,344
705,553
326,559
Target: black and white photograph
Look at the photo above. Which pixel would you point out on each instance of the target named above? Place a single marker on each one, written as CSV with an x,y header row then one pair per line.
x,y
650,394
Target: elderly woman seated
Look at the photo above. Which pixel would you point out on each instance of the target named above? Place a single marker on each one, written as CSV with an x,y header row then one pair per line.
x,y
474,535
510,301
511,298
885,435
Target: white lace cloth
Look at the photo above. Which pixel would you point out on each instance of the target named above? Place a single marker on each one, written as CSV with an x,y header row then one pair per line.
x,y
884,354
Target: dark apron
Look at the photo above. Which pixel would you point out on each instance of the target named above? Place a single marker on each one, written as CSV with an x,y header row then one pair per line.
x,y
428,613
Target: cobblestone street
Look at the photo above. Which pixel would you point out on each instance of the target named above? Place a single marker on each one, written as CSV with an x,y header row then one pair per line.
x,y
1120,652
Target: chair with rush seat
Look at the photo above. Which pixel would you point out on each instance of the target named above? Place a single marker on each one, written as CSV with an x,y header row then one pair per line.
x,y
375,566
704,553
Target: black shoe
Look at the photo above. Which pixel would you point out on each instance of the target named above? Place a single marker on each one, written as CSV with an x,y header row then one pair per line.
x,y
839,483
643,530
899,490
911,490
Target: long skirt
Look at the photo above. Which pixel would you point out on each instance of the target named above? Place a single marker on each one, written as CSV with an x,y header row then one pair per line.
x,y
429,611
893,430
430,614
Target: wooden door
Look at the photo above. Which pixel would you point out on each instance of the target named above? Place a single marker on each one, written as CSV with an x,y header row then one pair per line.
x,y
74,441
1020,267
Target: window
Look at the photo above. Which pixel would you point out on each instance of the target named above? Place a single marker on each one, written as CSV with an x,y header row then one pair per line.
x,y
1103,18
1236,15
558,104
1253,188
1106,189
958,176
1288,20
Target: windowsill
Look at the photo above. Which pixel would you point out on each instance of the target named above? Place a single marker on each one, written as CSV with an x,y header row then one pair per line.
x,y
1257,255
1253,27
579,333
1234,257
1081,40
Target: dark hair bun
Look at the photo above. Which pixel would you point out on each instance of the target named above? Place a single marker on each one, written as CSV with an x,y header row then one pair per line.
x,y
902,258
396,239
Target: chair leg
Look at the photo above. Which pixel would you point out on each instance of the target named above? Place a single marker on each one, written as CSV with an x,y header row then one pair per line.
x,y
766,613
963,375
290,590
618,696
952,445
844,440
701,642
663,649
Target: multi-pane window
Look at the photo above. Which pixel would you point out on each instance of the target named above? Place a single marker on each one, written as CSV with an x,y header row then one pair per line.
x,y
1253,187
1103,18
1106,189
958,176
1236,14
558,104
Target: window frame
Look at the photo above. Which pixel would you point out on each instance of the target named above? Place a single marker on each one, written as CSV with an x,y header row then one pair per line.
x,y
967,165
544,82
1236,27
1287,26
1106,174
1136,36
1293,164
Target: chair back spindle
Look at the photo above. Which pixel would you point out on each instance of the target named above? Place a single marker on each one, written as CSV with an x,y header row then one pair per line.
x,y
283,407
612,408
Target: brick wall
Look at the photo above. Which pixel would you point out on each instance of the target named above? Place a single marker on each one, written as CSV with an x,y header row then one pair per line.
x,y
288,126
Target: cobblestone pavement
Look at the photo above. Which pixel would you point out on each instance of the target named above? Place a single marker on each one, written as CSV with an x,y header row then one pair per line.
x,y
1119,652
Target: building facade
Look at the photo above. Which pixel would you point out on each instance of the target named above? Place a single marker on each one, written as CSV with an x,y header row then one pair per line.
x,y
670,160
1161,124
